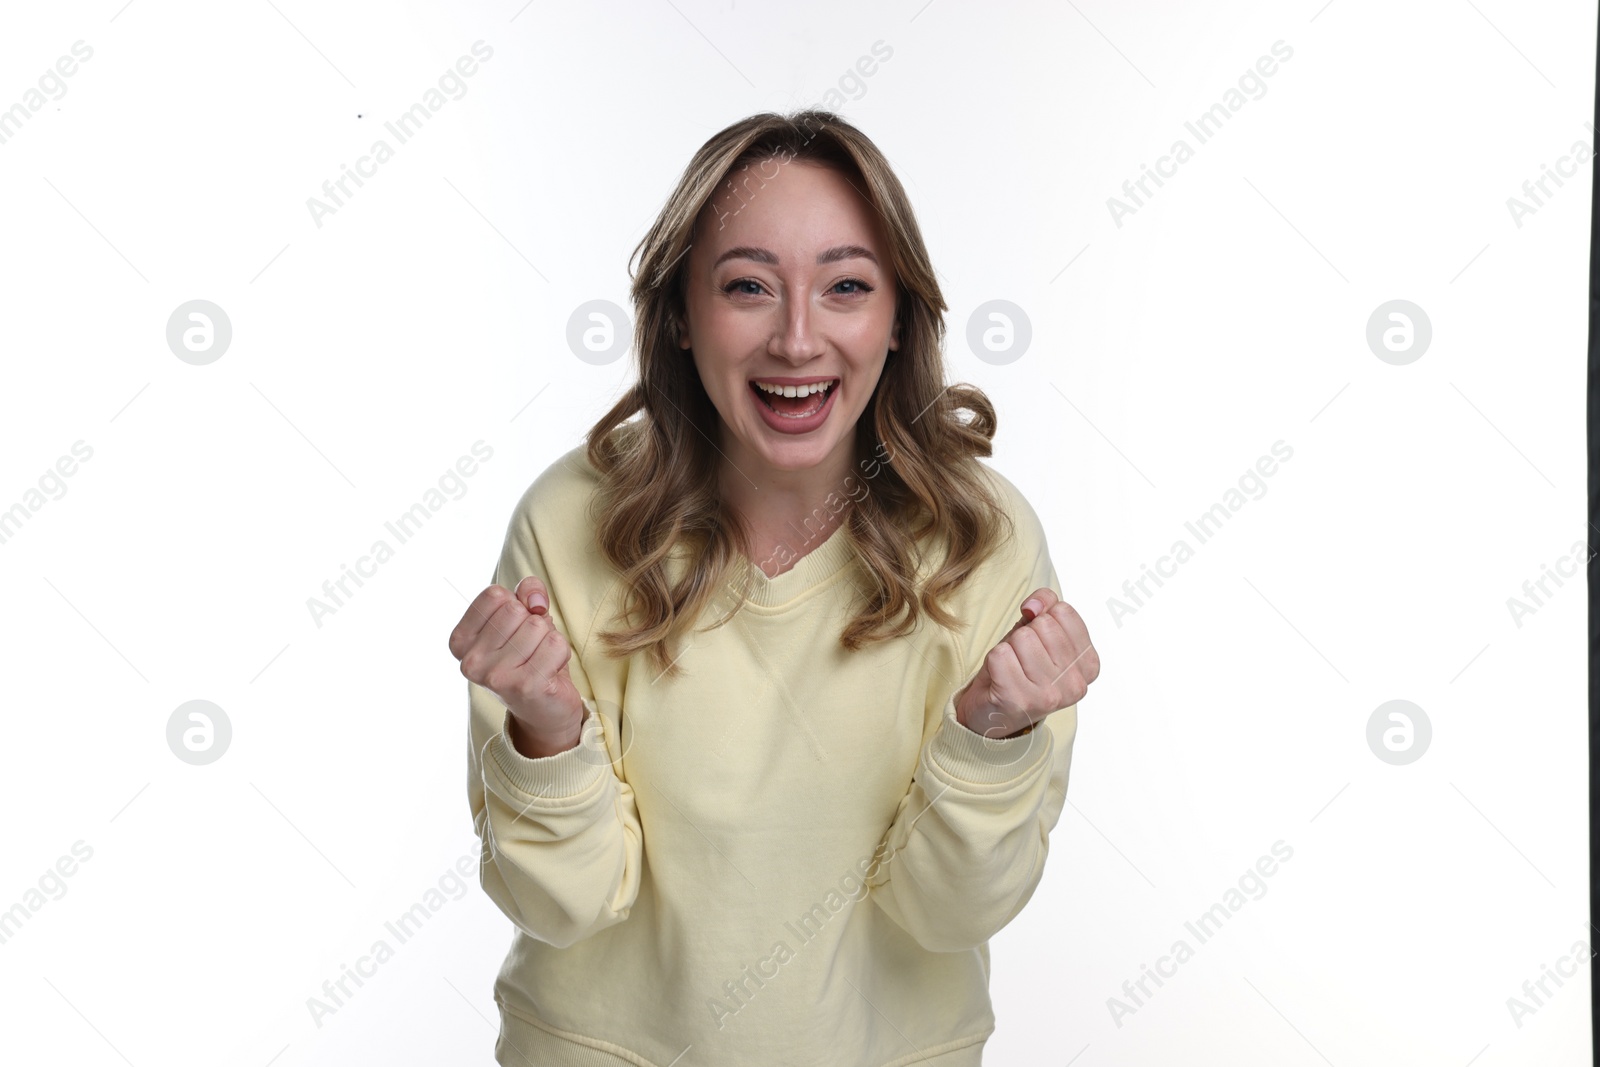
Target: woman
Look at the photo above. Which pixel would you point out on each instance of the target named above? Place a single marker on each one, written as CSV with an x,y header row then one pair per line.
x,y
768,814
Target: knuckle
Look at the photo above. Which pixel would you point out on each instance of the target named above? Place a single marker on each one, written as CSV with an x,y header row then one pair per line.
x,y
505,684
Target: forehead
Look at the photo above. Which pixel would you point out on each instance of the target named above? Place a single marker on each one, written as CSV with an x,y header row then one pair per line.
x,y
794,209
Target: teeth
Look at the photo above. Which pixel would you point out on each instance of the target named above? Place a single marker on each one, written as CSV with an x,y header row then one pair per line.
x,y
793,390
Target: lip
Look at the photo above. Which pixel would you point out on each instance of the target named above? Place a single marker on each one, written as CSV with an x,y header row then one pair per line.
x,y
783,423
798,381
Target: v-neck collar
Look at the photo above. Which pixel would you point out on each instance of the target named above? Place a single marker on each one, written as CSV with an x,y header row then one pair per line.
x,y
810,569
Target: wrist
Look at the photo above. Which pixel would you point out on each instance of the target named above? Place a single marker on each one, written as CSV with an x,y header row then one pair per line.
x,y
1005,737
532,745
963,719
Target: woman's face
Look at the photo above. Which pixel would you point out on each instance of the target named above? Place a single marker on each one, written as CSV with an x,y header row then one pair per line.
x,y
789,284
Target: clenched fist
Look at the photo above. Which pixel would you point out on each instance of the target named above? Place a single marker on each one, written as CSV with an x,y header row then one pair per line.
x,y
1043,665
507,644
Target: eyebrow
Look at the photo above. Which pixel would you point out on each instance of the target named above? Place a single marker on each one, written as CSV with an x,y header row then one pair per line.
x,y
762,255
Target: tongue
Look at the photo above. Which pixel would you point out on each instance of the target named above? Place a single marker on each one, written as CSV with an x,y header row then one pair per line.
x,y
796,405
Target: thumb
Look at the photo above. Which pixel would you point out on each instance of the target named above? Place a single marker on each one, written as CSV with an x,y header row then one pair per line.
x,y
531,594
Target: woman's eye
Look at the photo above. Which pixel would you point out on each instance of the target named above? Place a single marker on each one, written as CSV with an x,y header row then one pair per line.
x,y
860,287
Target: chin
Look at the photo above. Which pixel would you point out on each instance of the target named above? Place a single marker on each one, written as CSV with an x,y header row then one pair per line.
x,y
797,455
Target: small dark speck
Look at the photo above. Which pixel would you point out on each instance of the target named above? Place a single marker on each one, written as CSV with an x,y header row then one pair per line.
x,y
358,116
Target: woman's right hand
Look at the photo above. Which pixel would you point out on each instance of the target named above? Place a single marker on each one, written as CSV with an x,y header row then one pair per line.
x,y
507,644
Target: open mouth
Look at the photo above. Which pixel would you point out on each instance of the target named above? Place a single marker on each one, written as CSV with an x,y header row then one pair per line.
x,y
795,401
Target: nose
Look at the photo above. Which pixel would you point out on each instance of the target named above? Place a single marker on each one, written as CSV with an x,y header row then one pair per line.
x,y
795,339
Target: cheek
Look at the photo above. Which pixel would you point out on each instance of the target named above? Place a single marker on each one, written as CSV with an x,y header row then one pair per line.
x,y
867,364
868,347
723,341
720,378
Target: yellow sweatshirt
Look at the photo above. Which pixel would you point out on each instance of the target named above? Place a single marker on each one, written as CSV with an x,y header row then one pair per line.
x,y
789,855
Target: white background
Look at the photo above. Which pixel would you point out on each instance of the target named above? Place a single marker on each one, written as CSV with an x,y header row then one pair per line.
x,y
1169,353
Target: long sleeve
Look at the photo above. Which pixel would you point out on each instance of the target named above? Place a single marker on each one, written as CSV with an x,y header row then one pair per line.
x,y
968,842
562,843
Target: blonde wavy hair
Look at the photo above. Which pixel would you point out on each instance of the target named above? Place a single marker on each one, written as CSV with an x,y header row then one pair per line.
x,y
658,500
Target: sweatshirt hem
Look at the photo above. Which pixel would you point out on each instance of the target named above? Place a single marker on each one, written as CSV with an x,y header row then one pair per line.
x,y
538,1044
535,1043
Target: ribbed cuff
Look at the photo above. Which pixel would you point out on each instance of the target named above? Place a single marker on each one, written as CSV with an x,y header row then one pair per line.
x,y
560,777
967,758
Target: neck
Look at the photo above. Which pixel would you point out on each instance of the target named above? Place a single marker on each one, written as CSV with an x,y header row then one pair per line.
x,y
793,506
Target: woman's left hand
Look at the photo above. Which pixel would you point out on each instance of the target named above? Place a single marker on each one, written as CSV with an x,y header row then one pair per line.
x,y
1043,665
